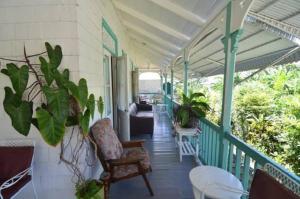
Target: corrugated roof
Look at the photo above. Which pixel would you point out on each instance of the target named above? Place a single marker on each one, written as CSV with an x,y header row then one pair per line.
x,y
160,29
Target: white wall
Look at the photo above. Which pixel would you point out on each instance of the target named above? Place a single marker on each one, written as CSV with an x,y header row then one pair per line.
x,y
76,25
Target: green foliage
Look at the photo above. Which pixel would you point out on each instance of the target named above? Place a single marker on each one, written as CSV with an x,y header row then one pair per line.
x,y
100,105
90,189
18,77
51,128
192,108
58,102
80,92
84,120
91,105
66,104
266,112
19,111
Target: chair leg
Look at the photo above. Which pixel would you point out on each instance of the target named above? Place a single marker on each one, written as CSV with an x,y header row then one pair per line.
x,y
148,184
106,190
150,168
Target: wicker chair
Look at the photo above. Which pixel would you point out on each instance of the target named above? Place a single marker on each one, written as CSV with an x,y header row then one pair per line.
x,y
16,167
120,160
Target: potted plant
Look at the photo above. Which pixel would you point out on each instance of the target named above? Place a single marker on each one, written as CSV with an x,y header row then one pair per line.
x,y
62,106
191,110
90,189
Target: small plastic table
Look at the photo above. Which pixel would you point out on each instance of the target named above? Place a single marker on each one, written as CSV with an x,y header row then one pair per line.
x,y
215,183
185,147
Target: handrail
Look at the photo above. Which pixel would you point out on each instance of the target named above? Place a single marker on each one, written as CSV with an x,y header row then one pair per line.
x,y
239,155
211,124
258,156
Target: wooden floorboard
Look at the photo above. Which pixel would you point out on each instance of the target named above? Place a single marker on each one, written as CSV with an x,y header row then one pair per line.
x,y
169,179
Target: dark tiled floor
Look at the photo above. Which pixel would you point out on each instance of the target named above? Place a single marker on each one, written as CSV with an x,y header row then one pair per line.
x,y
169,178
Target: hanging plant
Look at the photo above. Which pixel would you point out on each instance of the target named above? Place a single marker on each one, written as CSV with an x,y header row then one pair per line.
x,y
63,103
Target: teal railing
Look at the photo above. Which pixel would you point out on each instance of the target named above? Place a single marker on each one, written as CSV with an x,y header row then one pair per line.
x,y
170,106
240,159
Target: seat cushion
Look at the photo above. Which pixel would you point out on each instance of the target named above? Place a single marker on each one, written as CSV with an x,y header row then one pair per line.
x,y
106,139
126,170
144,114
11,191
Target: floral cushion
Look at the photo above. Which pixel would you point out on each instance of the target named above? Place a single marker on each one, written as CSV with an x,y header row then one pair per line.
x,y
125,170
106,139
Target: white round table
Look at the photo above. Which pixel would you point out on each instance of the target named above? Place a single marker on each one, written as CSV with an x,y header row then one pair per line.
x,y
215,183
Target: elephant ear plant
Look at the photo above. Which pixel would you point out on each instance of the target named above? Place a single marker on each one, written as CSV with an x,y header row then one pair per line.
x,y
63,105
192,108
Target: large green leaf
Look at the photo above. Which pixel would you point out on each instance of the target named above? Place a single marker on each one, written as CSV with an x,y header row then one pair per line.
x,y
203,105
20,112
47,70
100,105
18,77
11,98
84,120
55,55
91,105
80,92
185,99
196,95
198,112
184,117
58,102
61,79
51,128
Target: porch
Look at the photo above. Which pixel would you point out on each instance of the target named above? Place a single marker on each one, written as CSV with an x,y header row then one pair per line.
x,y
109,43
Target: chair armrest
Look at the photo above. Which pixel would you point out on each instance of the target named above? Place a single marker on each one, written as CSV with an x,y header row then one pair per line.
x,y
135,143
124,161
10,182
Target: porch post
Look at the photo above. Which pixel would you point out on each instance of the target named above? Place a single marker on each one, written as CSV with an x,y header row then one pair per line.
x,y
172,92
230,42
166,87
185,78
161,83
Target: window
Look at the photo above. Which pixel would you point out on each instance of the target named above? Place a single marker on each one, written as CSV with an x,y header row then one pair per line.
x,y
107,84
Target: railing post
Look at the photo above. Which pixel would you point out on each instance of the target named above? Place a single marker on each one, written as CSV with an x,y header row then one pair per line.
x,y
172,91
185,78
230,42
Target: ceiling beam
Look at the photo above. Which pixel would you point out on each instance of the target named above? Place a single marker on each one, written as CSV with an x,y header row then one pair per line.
x,y
150,21
149,35
154,47
178,10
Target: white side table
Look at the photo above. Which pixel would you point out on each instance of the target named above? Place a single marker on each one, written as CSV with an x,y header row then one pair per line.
x,y
215,183
185,147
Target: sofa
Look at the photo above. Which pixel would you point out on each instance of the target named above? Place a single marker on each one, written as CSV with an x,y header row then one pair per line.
x,y
141,119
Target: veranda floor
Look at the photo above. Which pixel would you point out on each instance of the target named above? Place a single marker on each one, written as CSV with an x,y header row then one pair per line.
x,y
170,178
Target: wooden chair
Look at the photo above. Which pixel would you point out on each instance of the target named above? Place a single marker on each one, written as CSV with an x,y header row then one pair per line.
x,y
16,167
265,186
120,160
